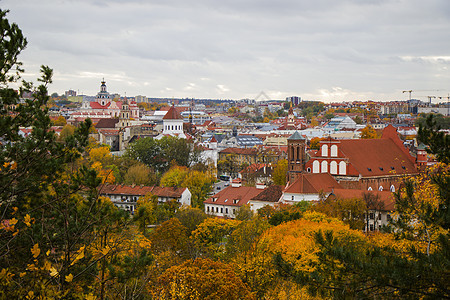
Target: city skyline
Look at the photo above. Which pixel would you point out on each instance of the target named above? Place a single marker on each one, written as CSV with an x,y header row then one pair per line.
x,y
326,50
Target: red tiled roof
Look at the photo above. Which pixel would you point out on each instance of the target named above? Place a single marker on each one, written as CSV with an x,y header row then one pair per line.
x,y
313,184
385,196
172,114
96,105
227,196
376,157
117,189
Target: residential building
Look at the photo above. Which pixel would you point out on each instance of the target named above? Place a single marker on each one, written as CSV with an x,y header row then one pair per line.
x,y
125,196
310,187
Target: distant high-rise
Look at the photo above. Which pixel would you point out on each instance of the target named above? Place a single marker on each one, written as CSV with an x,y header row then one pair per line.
x,y
295,100
70,93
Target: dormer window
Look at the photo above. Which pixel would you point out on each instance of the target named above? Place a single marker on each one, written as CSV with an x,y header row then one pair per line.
x,y
381,168
370,170
403,167
392,168
235,201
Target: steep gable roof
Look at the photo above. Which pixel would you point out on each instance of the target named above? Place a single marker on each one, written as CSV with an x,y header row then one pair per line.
x,y
272,193
172,114
313,184
377,157
138,190
242,194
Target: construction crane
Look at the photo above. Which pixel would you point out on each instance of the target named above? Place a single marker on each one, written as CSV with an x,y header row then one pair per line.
x,y
429,99
410,91
448,106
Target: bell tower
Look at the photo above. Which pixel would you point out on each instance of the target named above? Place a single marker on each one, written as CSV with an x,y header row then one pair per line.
x,y
296,155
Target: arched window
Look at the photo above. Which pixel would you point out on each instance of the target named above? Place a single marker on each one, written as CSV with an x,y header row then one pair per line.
x,y
325,150
392,188
308,170
380,188
324,166
370,188
342,168
316,166
333,167
333,150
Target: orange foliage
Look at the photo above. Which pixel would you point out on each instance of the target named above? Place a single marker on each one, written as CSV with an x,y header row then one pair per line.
x,y
201,279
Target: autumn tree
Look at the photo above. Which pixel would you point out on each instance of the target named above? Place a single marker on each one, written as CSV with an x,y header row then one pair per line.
x,y
279,175
368,132
160,154
60,121
140,174
174,177
199,183
351,211
229,165
201,279
190,217
211,235
315,143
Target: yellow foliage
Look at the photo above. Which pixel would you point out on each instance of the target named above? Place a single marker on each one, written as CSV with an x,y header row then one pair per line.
x,y
295,240
79,255
27,220
5,275
35,250
69,278
53,272
100,154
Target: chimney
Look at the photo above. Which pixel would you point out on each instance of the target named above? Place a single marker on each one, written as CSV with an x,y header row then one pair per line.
x,y
236,183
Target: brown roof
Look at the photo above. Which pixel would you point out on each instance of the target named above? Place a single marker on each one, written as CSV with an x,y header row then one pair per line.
x,y
107,123
385,196
244,151
272,193
140,190
172,114
227,196
313,183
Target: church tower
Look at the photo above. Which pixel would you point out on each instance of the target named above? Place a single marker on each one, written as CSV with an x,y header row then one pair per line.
x,y
290,124
103,97
125,113
296,155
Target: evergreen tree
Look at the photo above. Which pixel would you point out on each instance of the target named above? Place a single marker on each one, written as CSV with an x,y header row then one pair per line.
x,y
57,236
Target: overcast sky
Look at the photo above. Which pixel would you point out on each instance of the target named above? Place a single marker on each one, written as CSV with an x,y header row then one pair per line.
x,y
329,50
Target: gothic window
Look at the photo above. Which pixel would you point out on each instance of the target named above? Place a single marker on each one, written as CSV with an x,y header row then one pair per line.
x,y
333,149
316,166
333,167
380,188
342,168
325,150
